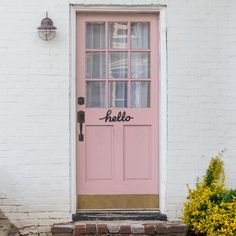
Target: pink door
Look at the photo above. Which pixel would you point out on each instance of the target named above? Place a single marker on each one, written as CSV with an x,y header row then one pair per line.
x,y
117,90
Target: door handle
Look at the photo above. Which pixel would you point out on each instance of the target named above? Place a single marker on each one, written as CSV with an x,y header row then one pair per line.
x,y
81,120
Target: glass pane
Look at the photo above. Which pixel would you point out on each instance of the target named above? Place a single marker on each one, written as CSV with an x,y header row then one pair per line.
x,y
95,65
95,35
118,35
140,94
117,94
95,94
118,65
140,35
140,65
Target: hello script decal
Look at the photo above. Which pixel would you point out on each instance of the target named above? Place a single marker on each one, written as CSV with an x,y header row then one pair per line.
x,y
120,117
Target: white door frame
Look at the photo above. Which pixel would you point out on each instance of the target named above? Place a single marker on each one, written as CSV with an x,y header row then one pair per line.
x,y
161,9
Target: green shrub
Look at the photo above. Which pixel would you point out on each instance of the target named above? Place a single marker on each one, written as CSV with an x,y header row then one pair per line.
x,y
211,207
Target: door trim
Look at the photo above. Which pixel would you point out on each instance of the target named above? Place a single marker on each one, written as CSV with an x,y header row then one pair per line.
x,y
161,9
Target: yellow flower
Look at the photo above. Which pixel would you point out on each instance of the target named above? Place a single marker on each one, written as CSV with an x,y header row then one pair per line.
x,y
211,208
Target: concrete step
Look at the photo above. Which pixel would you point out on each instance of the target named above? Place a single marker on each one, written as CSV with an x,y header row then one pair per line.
x,y
119,215
120,228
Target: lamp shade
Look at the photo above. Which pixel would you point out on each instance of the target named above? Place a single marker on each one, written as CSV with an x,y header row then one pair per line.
x,y
47,30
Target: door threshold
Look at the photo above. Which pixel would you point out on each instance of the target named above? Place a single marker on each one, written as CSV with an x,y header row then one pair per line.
x,y
110,215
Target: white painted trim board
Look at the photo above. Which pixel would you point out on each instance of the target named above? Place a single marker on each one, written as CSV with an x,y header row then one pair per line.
x,y
161,9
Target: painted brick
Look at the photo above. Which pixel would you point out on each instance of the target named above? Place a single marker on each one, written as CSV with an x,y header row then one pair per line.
x,y
172,228
137,229
113,228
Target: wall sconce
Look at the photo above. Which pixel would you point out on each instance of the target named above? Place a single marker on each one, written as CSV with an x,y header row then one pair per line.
x,y
46,30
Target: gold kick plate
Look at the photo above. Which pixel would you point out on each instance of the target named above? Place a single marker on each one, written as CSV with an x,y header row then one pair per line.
x,y
131,201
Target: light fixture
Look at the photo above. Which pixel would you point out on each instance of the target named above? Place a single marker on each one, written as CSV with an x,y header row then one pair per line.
x,y
46,30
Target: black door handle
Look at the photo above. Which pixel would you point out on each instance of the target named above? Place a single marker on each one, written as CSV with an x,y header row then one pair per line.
x,y
81,120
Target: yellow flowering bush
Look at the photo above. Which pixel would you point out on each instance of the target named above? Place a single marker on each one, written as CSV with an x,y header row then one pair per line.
x,y
211,208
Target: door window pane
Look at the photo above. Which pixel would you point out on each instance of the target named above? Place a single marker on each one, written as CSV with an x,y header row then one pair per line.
x,y
140,65
117,94
118,65
95,35
140,35
140,94
95,94
118,35
95,65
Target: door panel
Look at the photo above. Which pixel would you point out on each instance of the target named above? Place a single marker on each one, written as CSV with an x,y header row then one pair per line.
x,y
99,147
117,74
137,156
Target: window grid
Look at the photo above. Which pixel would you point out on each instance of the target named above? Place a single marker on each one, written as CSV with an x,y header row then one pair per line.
x,y
107,50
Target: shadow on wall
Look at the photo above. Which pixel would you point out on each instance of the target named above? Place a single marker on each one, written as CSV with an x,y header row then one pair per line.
x,y
6,227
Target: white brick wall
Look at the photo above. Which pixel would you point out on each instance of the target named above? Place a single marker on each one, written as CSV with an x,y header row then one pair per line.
x,y
34,121
34,103
201,92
